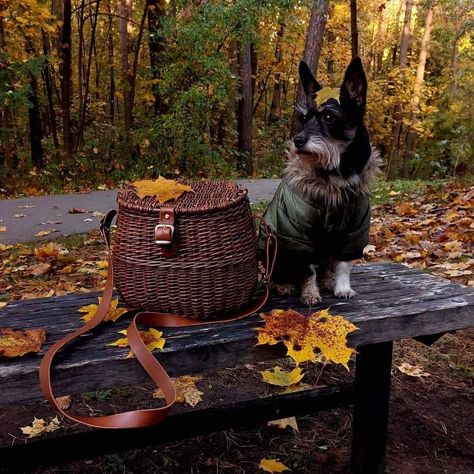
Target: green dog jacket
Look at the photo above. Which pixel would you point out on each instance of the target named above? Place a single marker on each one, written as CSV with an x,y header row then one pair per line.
x,y
318,230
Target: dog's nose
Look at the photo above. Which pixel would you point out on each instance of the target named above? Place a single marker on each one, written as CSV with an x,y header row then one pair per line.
x,y
299,142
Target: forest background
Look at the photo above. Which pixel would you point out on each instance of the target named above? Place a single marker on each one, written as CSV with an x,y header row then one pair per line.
x,y
96,92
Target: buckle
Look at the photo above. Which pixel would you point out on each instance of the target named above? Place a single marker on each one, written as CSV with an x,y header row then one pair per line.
x,y
165,242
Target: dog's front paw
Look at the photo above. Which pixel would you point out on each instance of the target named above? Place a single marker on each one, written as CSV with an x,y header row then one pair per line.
x,y
310,293
344,292
286,289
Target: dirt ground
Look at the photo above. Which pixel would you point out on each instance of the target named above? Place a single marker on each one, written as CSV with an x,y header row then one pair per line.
x,y
430,427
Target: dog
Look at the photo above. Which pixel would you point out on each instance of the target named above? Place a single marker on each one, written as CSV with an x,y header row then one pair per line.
x,y
320,213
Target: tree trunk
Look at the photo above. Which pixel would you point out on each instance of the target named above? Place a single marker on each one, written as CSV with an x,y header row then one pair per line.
x,y
381,34
125,28
65,76
312,48
455,57
34,121
244,111
83,112
276,98
397,113
49,91
354,30
420,75
156,44
110,49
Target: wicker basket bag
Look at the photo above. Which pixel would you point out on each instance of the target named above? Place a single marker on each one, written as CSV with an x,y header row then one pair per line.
x,y
184,263
196,256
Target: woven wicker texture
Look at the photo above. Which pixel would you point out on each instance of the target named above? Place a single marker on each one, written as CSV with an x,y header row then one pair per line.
x,y
214,271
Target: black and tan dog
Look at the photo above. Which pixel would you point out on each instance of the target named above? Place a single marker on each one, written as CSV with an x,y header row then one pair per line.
x,y
320,212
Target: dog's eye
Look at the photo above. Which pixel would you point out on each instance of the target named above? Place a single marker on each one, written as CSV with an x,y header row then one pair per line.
x,y
328,116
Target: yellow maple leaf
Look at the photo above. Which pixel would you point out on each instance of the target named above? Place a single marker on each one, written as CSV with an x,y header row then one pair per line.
x,y
186,390
302,335
40,427
325,94
152,338
272,465
47,252
281,378
113,312
162,189
18,343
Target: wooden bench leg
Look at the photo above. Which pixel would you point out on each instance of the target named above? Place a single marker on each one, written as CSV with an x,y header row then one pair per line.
x,y
372,394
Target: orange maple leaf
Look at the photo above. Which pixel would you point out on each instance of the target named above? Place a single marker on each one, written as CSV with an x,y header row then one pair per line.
x,y
18,343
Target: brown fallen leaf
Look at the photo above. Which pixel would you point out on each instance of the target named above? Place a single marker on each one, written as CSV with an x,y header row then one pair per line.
x,y
42,233
3,304
39,427
3,228
18,343
284,423
64,402
76,211
162,189
186,390
41,269
412,370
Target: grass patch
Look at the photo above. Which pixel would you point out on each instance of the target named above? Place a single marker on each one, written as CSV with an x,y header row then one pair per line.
x,y
399,189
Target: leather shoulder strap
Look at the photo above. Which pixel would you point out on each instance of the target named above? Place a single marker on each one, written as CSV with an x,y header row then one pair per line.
x,y
146,417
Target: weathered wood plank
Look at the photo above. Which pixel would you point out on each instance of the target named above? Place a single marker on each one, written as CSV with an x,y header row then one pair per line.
x,y
58,448
393,302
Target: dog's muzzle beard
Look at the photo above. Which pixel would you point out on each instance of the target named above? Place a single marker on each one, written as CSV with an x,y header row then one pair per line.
x,y
322,153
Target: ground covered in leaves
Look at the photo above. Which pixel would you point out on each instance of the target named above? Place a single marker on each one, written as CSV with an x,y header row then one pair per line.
x,y
430,228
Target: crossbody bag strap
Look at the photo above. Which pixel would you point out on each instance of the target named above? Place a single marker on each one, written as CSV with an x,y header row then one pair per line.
x,y
151,416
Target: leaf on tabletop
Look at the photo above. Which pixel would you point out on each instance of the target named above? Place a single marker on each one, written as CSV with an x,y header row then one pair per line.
x,y
20,342
303,335
162,189
279,377
152,338
113,312
39,427
3,228
272,465
186,390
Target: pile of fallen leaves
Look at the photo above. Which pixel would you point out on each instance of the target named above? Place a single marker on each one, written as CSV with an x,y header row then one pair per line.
x,y
431,231
68,265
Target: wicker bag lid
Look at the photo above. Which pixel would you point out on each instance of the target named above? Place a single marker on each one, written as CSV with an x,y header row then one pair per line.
x,y
207,196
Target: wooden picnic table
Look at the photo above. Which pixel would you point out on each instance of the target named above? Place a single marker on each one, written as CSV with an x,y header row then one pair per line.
x,y
393,302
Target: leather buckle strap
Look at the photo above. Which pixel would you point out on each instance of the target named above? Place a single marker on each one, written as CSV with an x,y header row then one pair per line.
x,y
164,234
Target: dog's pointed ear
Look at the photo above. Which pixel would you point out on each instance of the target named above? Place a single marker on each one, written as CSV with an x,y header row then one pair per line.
x,y
354,87
310,84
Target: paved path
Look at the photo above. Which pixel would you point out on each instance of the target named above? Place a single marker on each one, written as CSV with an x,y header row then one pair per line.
x,y
52,213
